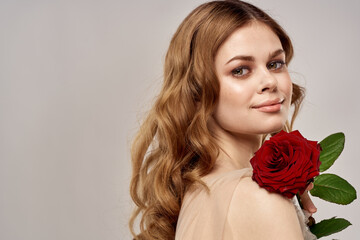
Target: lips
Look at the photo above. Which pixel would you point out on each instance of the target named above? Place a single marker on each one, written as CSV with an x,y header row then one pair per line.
x,y
269,103
273,105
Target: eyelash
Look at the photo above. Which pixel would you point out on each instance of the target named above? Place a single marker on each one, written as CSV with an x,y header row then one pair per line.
x,y
235,72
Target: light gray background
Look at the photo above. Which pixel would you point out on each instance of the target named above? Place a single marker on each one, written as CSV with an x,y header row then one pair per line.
x,y
77,76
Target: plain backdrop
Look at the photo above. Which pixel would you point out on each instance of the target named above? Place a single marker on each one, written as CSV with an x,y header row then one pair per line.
x,y
77,77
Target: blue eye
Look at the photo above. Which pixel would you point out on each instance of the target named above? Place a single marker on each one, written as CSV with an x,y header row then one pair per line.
x,y
240,71
275,65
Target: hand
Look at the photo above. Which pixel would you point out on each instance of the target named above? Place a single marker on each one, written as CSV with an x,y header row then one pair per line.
x,y
307,204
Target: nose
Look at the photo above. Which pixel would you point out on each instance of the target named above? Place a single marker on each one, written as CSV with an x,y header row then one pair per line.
x,y
268,82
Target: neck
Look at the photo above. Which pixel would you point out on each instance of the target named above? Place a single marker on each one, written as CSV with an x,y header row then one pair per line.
x,y
236,150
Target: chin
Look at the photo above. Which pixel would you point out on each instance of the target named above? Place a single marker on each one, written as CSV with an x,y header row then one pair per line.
x,y
274,128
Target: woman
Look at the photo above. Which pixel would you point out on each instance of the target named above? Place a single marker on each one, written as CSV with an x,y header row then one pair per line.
x,y
226,87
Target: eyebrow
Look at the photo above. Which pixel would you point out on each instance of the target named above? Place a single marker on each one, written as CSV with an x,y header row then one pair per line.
x,y
252,59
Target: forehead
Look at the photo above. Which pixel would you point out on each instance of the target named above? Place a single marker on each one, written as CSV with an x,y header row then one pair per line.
x,y
253,39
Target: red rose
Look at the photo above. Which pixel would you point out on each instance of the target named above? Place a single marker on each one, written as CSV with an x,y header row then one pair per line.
x,y
286,163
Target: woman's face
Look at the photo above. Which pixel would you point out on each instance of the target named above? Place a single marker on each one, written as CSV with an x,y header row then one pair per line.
x,y
255,86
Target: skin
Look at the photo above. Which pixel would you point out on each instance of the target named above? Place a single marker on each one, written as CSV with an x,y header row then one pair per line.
x,y
251,69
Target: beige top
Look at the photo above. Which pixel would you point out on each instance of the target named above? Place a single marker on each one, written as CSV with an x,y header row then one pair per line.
x,y
205,216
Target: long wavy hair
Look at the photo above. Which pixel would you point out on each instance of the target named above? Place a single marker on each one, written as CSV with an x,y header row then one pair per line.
x,y
174,147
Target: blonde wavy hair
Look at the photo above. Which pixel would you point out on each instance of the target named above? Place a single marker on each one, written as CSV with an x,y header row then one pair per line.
x,y
174,147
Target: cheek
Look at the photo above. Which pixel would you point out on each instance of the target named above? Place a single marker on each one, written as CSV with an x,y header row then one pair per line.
x,y
233,96
233,104
290,88
287,87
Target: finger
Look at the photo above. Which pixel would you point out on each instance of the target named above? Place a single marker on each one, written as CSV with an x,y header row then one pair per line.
x,y
308,203
309,187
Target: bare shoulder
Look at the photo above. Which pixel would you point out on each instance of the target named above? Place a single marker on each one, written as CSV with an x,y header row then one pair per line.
x,y
254,213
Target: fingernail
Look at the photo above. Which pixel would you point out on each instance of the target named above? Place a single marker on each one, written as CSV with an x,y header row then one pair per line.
x,y
314,210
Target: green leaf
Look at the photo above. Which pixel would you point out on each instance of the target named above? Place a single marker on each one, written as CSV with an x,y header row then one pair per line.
x,y
333,188
329,226
332,146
